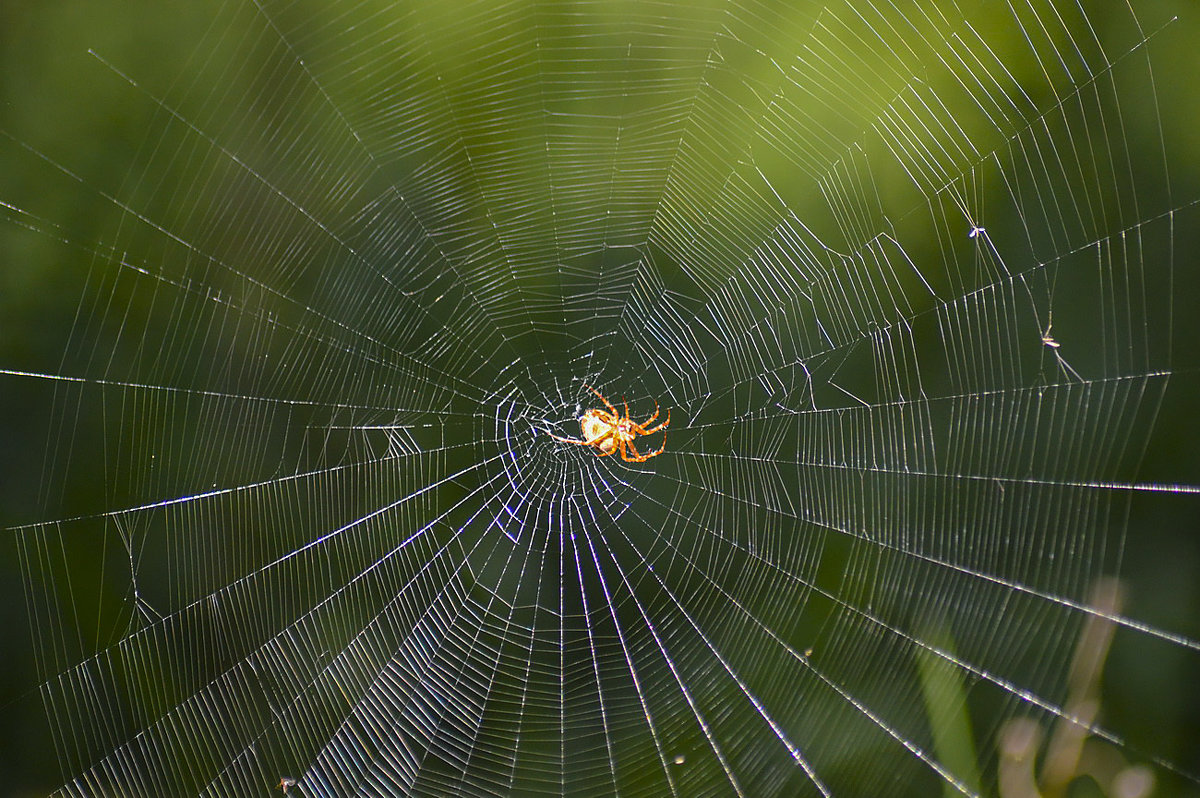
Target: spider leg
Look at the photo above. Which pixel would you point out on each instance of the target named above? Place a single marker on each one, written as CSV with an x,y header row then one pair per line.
x,y
649,420
598,444
641,458
593,442
602,399
642,430
605,416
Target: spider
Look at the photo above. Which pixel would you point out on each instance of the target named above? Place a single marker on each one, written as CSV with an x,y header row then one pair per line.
x,y
607,431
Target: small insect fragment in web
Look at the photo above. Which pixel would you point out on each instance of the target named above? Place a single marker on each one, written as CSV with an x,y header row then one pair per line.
x,y
607,431
1047,337
286,783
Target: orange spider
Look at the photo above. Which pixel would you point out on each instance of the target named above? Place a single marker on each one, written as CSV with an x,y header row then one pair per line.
x,y
609,431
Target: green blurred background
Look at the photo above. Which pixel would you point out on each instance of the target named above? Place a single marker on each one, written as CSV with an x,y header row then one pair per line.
x,y
60,100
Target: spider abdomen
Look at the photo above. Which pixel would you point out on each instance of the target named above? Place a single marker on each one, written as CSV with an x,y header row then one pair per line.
x,y
594,427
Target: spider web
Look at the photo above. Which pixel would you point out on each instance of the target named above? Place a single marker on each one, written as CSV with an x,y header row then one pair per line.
x,y
902,273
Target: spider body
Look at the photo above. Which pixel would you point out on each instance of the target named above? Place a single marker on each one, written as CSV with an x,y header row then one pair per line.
x,y
607,431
